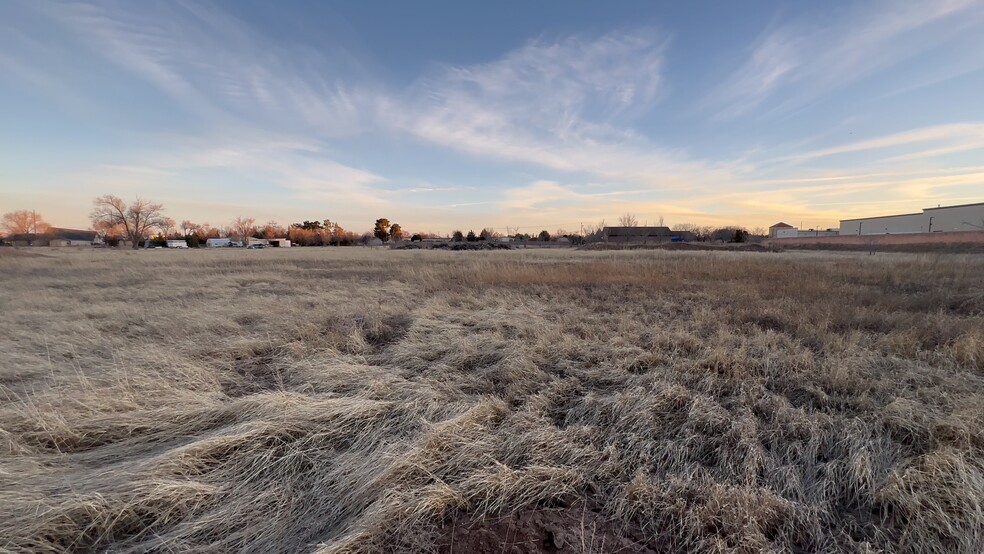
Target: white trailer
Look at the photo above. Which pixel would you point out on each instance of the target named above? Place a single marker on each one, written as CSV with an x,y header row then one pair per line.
x,y
222,242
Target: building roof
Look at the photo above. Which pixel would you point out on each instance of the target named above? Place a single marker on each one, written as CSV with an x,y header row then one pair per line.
x,y
71,234
637,231
781,225
912,214
879,217
956,206
55,233
23,236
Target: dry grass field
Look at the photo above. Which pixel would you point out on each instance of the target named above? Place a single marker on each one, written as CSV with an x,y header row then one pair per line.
x,y
352,400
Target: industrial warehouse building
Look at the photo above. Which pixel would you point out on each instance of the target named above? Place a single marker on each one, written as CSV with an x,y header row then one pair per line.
x,y
965,217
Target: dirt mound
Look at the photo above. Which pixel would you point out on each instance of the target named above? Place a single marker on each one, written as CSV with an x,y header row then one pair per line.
x,y
546,530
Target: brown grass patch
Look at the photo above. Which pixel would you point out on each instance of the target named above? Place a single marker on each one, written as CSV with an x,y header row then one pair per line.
x,y
349,400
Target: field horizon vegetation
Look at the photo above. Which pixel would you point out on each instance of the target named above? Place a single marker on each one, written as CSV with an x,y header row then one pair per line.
x,y
364,400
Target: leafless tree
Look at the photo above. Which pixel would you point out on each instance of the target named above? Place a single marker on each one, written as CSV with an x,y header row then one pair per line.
x,y
244,227
628,220
702,232
165,226
189,228
272,230
135,219
24,222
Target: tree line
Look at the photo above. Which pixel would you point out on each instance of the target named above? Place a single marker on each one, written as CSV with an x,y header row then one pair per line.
x,y
142,221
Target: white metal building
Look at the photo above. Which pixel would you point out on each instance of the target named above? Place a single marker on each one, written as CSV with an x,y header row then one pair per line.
x,y
964,217
222,242
786,231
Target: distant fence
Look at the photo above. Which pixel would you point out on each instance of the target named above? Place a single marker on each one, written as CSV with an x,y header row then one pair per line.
x,y
956,237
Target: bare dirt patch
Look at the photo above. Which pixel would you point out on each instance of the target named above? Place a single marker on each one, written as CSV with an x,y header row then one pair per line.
x,y
561,530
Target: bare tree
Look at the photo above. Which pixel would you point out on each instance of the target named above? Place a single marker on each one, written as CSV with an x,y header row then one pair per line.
x,y
135,220
188,228
24,222
108,231
272,230
701,232
165,226
244,227
628,220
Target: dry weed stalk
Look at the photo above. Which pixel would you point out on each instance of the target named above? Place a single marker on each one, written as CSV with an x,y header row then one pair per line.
x,y
362,401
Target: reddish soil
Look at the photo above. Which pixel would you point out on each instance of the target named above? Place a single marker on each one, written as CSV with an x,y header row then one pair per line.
x,y
563,530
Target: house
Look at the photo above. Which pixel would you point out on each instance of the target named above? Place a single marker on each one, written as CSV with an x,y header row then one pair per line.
x,y
177,243
782,230
280,243
72,237
787,231
636,234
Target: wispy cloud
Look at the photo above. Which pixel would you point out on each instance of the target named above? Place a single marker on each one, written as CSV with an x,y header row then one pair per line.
x,y
565,121
564,105
946,139
798,62
217,66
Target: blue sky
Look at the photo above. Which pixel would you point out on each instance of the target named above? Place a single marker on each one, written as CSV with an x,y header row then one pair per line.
x,y
518,115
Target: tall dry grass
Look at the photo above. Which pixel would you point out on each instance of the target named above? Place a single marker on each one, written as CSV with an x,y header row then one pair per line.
x,y
372,401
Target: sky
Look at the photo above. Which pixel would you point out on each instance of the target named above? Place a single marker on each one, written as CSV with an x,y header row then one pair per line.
x,y
515,115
